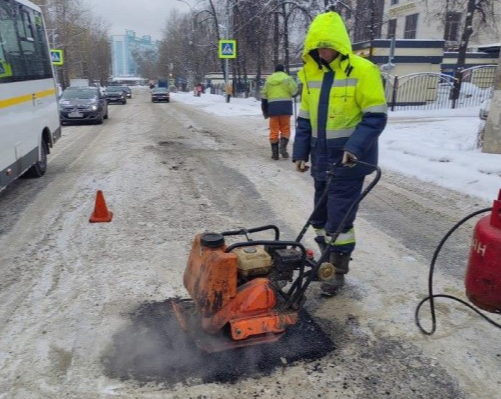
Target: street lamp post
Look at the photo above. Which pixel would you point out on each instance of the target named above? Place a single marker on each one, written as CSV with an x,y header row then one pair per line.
x,y
227,36
53,35
190,79
226,60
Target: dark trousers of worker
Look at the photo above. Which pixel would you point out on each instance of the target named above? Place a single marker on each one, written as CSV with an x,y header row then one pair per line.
x,y
342,193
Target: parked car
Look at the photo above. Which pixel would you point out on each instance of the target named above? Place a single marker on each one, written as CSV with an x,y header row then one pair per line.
x,y
128,91
484,109
160,94
82,104
116,94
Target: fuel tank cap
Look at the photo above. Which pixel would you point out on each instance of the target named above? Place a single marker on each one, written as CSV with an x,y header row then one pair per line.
x,y
212,240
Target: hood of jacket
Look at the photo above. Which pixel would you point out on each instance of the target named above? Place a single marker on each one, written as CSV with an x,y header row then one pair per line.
x,y
327,30
277,78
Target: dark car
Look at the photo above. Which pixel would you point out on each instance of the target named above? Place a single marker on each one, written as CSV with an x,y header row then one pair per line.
x,y
116,94
128,91
160,94
82,104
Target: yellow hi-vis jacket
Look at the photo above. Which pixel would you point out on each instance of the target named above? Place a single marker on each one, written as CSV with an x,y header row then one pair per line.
x,y
343,105
277,93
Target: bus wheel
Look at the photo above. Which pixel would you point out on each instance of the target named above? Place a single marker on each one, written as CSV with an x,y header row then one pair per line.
x,y
40,167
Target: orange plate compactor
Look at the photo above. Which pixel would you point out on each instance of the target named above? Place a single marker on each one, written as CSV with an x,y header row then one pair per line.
x,y
249,292
237,291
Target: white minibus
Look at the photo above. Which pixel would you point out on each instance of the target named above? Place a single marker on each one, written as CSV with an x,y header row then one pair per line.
x,y
29,117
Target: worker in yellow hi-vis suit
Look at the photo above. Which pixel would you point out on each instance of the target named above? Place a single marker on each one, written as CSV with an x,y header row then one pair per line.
x,y
342,113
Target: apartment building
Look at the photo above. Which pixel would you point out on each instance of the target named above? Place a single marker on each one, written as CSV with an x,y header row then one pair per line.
x,y
122,49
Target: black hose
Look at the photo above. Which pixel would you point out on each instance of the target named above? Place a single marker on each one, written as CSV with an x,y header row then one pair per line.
x,y
431,297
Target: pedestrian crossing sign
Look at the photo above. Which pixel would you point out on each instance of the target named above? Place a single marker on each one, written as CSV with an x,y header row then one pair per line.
x,y
56,57
5,69
227,49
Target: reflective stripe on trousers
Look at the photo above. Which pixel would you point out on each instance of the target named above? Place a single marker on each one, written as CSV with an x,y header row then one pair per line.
x,y
342,239
342,194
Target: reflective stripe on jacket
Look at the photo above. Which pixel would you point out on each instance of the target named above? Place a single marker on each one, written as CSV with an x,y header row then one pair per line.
x,y
277,92
343,105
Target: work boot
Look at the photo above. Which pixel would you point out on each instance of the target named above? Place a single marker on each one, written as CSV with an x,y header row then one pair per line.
x,y
340,261
274,151
333,287
283,147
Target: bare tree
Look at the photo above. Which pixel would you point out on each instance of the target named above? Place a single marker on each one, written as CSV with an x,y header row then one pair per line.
x,y
479,15
84,39
363,19
251,23
289,12
146,61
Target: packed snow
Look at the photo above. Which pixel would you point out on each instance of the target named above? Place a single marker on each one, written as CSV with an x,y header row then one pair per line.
x,y
437,146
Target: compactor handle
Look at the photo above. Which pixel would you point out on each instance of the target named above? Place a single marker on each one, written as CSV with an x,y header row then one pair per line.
x,y
246,232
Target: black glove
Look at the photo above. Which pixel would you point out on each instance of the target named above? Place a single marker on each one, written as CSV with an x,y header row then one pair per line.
x,y
349,159
264,107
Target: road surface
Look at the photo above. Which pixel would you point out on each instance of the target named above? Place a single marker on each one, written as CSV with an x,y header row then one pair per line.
x,y
82,304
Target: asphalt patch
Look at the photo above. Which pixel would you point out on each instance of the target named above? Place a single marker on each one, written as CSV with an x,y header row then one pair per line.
x,y
154,348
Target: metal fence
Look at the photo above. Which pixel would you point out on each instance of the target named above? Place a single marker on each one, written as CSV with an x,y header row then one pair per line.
x,y
427,90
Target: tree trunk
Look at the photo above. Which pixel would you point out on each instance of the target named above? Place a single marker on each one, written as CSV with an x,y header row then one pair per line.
x,y
465,38
276,38
286,37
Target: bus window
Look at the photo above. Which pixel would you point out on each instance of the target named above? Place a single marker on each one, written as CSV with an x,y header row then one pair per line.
x,y
25,28
24,45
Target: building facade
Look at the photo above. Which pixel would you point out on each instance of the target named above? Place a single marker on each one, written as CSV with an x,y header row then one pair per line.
x,y
423,36
368,20
124,50
439,20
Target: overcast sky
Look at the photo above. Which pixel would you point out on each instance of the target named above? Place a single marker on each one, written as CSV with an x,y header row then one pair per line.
x,y
145,17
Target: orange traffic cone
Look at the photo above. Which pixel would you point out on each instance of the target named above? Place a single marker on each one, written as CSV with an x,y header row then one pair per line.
x,y
101,213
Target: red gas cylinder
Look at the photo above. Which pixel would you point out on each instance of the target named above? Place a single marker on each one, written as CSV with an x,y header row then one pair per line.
x,y
483,276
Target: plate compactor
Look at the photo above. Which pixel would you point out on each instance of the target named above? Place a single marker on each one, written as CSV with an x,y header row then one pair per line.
x,y
236,291
249,292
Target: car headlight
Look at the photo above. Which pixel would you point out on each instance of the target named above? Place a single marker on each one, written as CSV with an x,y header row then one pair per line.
x,y
93,107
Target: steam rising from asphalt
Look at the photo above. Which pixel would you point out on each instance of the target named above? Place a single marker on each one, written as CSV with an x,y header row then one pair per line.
x,y
155,348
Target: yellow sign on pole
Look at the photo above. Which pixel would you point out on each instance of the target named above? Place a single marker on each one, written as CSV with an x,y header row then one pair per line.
x,y
227,49
57,57
5,69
